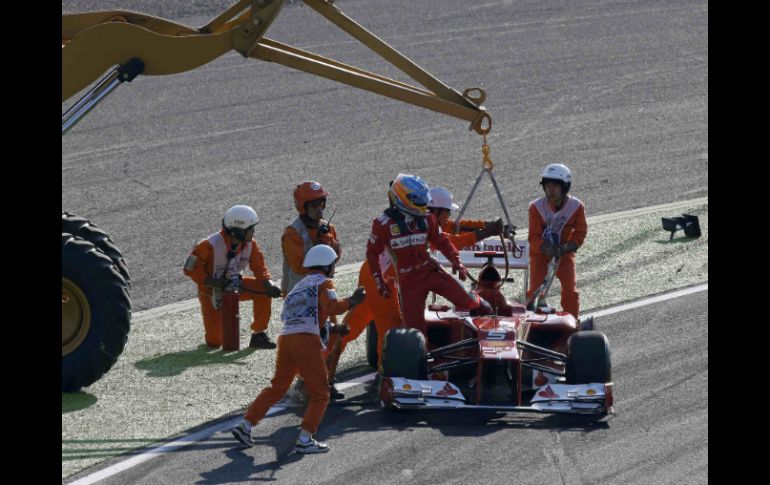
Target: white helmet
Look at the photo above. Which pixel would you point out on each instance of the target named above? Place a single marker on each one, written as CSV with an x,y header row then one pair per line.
x,y
556,172
240,217
319,255
442,198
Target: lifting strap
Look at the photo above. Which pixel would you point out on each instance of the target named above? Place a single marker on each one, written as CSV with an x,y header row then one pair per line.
x,y
486,168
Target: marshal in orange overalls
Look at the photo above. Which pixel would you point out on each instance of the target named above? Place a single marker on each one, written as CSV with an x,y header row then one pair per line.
x,y
204,267
570,224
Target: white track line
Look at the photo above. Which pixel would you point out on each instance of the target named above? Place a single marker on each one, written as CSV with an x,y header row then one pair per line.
x,y
226,425
650,300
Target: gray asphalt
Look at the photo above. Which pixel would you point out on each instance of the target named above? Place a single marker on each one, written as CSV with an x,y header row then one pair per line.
x,y
616,90
659,434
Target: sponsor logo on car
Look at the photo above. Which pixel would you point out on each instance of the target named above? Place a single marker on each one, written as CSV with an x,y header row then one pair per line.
x,y
447,390
406,387
547,392
540,379
590,392
394,229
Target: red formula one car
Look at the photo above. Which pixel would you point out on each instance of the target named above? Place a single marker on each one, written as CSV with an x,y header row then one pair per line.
x,y
512,360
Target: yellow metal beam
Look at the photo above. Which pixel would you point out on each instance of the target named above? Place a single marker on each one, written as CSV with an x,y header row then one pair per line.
x,y
338,18
97,49
73,24
92,43
377,84
217,23
251,30
309,55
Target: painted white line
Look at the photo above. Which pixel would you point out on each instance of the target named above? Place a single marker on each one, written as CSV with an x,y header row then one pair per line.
x,y
224,426
649,301
190,439
167,448
346,269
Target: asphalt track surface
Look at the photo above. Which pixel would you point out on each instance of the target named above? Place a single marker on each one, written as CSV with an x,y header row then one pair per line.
x,y
658,435
616,90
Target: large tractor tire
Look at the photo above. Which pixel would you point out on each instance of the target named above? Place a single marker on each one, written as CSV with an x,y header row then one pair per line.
x,y
371,345
84,229
403,354
96,313
589,358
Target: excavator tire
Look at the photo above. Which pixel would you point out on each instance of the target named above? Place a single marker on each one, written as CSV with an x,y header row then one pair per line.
x,y
96,313
85,229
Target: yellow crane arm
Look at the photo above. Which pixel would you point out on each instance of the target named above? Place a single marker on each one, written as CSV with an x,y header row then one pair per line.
x,y
92,43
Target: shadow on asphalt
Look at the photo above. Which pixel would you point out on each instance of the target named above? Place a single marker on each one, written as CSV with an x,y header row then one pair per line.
x,y
244,463
175,363
361,412
677,240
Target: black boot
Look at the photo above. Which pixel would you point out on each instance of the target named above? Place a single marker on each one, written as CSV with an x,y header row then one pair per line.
x,y
261,340
334,394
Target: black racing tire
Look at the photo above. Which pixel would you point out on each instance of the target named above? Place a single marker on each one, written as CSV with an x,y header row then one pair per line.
x,y
403,354
586,324
371,344
589,358
85,229
96,313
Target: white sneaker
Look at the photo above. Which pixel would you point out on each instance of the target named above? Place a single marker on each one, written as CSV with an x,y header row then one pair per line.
x,y
310,445
242,432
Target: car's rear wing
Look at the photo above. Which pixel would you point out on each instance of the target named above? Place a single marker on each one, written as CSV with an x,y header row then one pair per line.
x,y
472,257
518,257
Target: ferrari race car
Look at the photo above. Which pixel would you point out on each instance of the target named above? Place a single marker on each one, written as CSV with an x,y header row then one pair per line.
x,y
509,359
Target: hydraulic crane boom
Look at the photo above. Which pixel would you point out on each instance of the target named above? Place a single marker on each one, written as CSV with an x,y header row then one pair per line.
x,y
93,43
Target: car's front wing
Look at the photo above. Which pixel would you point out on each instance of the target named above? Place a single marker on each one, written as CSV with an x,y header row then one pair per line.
x,y
594,398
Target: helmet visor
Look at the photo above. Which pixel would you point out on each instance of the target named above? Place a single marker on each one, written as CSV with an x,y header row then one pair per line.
x,y
420,198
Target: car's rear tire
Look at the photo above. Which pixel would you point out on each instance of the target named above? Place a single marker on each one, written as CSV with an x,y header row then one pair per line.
x,y
96,313
586,324
371,344
403,354
589,358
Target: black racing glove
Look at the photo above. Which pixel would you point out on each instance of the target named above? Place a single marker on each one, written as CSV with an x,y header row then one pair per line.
x,y
494,227
357,296
273,290
568,247
550,250
342,329
218,283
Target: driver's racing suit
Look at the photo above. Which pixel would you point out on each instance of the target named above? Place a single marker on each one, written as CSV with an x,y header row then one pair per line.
x,y
404,241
